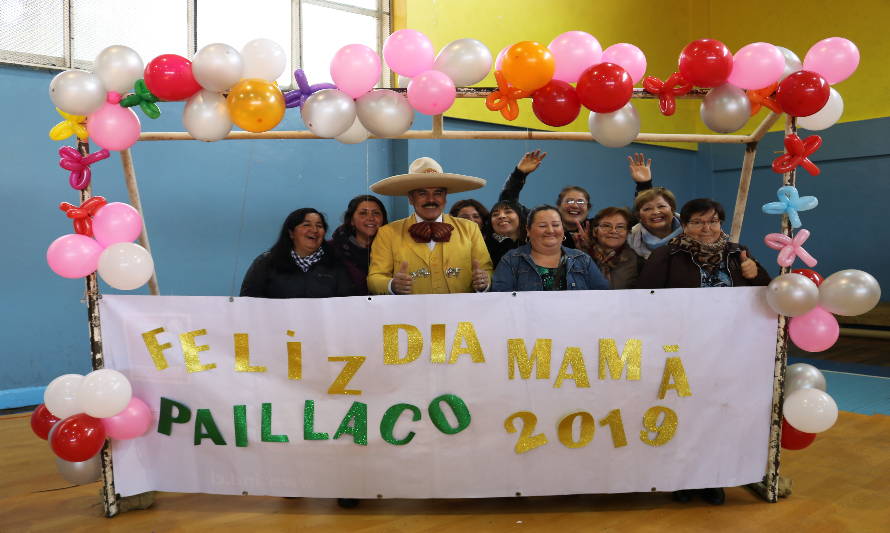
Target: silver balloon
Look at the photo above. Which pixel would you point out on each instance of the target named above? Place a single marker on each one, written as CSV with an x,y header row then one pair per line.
x,y
725,108
465,61
77,92
849,292
355,134
792,62
82,472
118,67
615,129
217,67
803,376
329,113
206,116
792,294
385,113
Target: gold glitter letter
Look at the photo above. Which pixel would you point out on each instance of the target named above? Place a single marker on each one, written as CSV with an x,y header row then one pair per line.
x,y
674,377
616,426
437,343
391,344
155,349
353,363
190,351
664,432
630,356
518,356
575,359
294,358
466,342
527,442
564,430
242,355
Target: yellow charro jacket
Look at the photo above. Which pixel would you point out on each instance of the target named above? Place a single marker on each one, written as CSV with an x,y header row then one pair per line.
x,y
447,268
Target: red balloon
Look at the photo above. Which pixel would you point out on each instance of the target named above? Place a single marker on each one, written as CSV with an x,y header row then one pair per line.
x,y
42,421
556,104
605,87
803,93
793,439
169,77
78,438
706,63
814,276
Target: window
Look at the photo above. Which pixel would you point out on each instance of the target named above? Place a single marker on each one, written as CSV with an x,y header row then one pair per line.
x,y
70,33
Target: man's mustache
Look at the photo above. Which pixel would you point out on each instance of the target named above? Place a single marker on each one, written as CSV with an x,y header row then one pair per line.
x,y
431,204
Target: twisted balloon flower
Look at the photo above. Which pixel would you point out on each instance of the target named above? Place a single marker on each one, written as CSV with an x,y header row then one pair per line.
x,y
72,125
506,98
667,91
797,153
790,248
298,96
142,97
762,98
790,202
82,216
79,165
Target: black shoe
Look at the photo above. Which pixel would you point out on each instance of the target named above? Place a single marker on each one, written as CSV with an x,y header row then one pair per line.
x,y
714,496
347,503
682,496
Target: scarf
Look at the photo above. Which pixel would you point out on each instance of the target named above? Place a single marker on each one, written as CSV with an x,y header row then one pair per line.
x,y
605,258
708,257
305,263
643,242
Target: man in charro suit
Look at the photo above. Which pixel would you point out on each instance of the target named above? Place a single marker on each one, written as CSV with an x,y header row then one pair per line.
x,y
428,252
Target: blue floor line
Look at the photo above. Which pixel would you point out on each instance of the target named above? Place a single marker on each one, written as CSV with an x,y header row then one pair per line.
x,y
867,395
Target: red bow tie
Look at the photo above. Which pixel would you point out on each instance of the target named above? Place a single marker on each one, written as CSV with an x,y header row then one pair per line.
x,y
431,231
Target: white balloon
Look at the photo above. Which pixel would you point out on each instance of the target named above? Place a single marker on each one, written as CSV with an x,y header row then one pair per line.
x,y
217,67
465,61
384,113
328,113
206,116
792,294
810,410
803,376
125,266
403,82
792,62
849,292
104,392
77,92
355,134
60,396
118,67
615,129
827,116
263,59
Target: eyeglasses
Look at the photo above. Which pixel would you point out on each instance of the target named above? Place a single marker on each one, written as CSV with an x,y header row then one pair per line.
x,y
700,223
609,227
579,203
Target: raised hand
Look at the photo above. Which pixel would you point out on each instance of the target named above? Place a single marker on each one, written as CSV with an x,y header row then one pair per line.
x,y
401,281
640,168
749,267
582,236
531,161
480,277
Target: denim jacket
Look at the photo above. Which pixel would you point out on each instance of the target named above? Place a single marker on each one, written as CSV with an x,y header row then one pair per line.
x,y
516,272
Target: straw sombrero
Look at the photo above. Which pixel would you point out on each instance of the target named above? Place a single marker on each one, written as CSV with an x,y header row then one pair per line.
x,y
426,172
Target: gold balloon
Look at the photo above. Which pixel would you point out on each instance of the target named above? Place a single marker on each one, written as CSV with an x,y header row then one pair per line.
x,y
255,105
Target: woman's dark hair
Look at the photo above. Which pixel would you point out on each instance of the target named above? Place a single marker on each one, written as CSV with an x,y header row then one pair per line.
x,y
701,205
280,251
609,211
513,206
535,211
469,202
353,207
582,190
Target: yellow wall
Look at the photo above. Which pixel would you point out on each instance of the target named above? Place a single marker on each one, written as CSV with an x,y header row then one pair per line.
x,y
661,28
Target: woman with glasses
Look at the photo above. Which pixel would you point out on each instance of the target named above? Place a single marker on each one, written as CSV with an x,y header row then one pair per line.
x,y
702,255
619,264
544,264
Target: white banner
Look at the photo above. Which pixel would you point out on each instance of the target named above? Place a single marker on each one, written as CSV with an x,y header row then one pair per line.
x,y
445,396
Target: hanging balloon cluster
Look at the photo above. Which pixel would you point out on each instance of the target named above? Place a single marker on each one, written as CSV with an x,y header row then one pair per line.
x,y
808,409
80,412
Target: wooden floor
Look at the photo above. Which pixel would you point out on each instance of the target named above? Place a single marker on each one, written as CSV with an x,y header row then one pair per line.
x,y
857,350
841,483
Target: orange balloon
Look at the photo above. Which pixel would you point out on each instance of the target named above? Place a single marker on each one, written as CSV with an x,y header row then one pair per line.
x,y
528,65
255,105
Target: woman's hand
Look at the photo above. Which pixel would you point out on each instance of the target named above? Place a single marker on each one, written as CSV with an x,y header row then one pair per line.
x,y
480,277
749,267
582,236
640,168
531,161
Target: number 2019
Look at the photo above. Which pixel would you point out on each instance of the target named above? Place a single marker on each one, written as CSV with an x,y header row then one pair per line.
x,y
659,420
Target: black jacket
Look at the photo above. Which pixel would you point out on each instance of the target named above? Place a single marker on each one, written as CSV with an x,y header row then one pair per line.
x,y
326,278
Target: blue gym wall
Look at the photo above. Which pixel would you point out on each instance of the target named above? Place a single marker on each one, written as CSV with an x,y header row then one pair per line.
x,y
210,208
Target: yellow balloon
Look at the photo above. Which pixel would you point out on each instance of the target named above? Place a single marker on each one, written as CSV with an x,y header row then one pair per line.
x,y
256,105
72,125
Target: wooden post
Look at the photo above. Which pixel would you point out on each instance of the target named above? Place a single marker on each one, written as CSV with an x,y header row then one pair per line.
x,y
438,126
133,190
109,496
741,197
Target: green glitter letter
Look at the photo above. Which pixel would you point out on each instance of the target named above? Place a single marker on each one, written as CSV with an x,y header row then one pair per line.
x,y
266,431
461,412
391,416
309,421
205,428
359,430
166,418
240,416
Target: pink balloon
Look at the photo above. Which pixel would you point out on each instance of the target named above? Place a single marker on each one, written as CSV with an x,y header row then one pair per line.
x,y
355,69
73,255
500,58
834,58
814,331
431,92
114,127
130,423
628,57
756,65
574,52
116,222
408,52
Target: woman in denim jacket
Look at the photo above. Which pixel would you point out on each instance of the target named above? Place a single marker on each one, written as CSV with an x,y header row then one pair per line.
x,y
544,264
